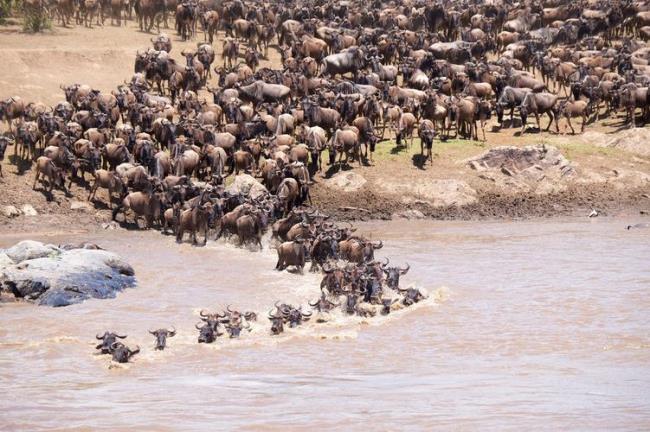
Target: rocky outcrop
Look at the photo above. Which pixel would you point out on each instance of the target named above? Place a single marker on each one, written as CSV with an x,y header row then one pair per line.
x,y
539,168
51,276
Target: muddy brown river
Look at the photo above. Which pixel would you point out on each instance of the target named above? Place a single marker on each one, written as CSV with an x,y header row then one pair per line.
x,y
540,324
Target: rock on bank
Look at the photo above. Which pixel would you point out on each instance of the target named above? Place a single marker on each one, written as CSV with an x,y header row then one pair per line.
x,y
54,276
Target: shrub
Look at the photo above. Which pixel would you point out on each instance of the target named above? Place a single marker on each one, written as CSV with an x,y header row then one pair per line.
x,y
36,19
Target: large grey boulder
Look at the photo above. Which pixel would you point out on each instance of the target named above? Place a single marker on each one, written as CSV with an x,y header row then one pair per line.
x,y
347,181
50,276
247,185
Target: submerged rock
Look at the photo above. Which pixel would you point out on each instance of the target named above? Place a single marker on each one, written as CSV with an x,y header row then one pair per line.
x,y
51,276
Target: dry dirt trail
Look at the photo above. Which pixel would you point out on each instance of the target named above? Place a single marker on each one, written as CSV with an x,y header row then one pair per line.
x,y
35,65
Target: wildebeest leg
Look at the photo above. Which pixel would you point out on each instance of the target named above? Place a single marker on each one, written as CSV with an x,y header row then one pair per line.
x,y
116,210
551,118
36,180
568,120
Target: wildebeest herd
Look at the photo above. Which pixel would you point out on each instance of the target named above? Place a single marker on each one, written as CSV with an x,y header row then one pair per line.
x,y
351,71
353,282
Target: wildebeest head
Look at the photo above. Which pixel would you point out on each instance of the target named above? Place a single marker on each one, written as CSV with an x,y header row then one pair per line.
x,y
295,317
122,353
70,91
411,296
369,249
332,280
393,274
108,339
351,299
323,304
235,326
372,289
161,337
207,333
277,323
386,305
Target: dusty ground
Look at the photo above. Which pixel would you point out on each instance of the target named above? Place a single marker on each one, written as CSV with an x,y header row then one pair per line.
x,y
611,165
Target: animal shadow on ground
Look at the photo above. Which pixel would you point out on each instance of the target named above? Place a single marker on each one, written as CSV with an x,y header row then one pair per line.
x,y
623,125
22,165
49,196
419,161
398,149
334,169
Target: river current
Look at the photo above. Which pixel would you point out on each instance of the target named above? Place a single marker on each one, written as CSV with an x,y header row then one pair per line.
x,y
538,324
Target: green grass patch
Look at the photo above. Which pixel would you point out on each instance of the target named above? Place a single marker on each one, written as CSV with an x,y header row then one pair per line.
x,y
577,149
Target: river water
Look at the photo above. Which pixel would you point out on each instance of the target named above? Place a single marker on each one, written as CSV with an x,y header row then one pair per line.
x,y
542,324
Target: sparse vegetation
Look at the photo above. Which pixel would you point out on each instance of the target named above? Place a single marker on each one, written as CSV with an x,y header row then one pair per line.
x,y
35,18
5,10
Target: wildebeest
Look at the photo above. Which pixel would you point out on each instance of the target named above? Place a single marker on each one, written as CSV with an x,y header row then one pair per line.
x,y
291,253
161,336
121,353
108,339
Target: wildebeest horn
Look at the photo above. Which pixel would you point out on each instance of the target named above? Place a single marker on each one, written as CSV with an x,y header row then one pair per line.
x,y
387,261
378,244
203,314
102,336
172,332
152,332
121,337
313,304
197,326
306,314
406,269
229,310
